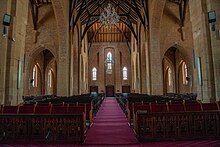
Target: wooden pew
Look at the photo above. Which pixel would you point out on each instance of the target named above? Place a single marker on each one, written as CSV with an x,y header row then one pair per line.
x,y
47,123
178,124
78,110
139,107
9,123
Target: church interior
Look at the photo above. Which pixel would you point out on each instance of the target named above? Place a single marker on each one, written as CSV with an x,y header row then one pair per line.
x,y
110,72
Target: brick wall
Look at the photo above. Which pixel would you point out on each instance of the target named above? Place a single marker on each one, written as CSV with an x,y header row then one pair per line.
x,y
97,55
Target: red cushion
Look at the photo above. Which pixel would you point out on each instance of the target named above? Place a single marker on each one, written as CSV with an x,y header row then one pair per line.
x,y
209,106
59,110
177,107
10,109
75,109
193,106
159,108
42,109
144,107
27,109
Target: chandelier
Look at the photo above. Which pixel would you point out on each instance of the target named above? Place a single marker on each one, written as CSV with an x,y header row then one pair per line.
x,y
109,17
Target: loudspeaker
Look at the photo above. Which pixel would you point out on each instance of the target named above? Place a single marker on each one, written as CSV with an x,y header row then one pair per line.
x,y
7,20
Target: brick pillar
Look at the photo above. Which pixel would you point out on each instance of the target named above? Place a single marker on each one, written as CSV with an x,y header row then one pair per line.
x,y
203,50
15,51
156,73
63,53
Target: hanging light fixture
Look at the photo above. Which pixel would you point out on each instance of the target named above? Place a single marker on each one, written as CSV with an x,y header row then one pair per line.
x,y
109,17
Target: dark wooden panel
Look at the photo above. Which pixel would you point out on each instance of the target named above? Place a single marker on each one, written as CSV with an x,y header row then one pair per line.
x,y
110,91
126,89
94,89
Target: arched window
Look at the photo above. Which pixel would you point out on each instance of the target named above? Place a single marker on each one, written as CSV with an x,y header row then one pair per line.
x,y
169,77
109,61
34,76
94,74
185,73
50,78
125,73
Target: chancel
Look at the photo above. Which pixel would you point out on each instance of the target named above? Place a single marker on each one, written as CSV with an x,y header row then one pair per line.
x,y
110,73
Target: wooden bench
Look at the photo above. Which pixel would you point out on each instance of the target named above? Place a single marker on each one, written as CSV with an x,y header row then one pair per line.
x,y
189,121
42,123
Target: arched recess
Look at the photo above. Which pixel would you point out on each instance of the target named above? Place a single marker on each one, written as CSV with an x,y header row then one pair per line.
x,y
173,59
63,62
44,60
156,73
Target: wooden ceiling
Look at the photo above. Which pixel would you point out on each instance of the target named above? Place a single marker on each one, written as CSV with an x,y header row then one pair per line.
x,y
40,2
118,33
87,12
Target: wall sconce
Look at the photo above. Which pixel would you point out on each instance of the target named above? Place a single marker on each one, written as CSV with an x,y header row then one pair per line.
x,y
212,19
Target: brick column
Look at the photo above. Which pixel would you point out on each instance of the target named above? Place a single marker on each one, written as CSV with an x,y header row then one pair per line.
x,y
63,53
156,73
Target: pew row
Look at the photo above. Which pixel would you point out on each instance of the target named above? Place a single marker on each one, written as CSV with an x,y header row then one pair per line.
x,y
42,127
177,125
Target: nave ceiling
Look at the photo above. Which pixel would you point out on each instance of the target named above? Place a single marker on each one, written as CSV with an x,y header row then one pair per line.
x,y
87,12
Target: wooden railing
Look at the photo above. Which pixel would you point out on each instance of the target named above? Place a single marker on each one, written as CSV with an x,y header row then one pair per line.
x,y
44,127
178,125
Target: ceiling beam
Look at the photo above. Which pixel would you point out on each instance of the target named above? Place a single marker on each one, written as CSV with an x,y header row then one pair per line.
x,y
34,12
183,10
83,7
127,39
129,25
146,12
135,9
35,5
88,25
183,4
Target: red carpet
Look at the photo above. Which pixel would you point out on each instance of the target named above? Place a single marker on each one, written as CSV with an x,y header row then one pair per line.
x,y
110,126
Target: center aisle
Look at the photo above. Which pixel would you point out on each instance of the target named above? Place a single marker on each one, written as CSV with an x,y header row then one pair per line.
x,y
110,126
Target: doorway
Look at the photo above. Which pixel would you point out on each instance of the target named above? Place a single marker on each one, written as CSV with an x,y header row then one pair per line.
x,y
110,91
126,89
94,89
